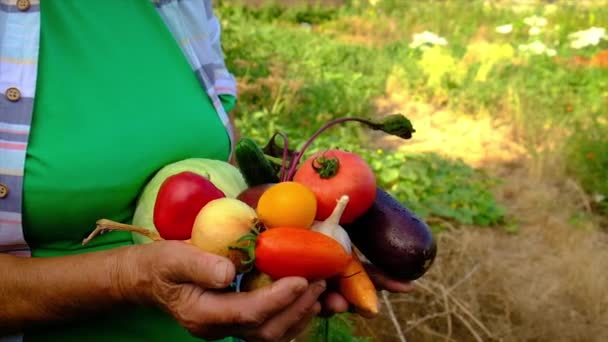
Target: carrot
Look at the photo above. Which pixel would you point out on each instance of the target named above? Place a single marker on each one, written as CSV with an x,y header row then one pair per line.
x,y
358,289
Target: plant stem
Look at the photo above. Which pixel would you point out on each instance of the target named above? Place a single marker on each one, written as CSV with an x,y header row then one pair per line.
x,y
284,159
296,160
104,225
326,329
393,317
394,124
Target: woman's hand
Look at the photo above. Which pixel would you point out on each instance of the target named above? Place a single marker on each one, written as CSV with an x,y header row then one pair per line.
x,y
333,302
185,282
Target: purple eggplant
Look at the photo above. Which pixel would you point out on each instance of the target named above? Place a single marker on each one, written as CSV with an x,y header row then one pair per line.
x,y
393,238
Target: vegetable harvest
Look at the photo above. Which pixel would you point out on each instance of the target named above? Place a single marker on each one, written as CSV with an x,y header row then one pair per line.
x,y
229,228
275,216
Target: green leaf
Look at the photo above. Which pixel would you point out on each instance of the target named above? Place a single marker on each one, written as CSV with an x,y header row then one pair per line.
x,y
389,175
338,328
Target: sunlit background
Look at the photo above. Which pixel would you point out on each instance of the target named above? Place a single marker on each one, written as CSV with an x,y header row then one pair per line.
x,y
509,162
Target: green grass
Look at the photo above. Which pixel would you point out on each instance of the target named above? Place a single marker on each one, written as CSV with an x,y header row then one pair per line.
x,y
300,67
302,71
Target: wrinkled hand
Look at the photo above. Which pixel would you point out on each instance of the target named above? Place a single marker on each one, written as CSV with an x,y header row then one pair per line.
x,y
333,302
185,282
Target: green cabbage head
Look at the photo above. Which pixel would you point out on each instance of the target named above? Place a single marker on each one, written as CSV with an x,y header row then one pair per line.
x,y
225,176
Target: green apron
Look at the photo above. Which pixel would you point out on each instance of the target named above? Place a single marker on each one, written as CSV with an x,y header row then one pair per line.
x,y
116,101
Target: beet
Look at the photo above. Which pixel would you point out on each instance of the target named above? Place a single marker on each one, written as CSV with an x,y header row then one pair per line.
x,y
393,238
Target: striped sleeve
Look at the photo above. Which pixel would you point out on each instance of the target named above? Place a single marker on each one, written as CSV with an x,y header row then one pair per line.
x,y
195,27
19,37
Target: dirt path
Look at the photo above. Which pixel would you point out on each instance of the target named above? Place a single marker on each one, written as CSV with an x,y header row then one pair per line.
x,y
545,283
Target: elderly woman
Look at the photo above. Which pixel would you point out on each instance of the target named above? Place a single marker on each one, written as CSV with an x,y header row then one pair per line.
x,y
96,97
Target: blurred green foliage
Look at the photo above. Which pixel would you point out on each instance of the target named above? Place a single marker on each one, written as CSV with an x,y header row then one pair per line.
x,y
336,329
301,67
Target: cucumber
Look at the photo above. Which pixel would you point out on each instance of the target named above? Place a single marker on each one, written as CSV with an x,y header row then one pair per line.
x,y
254,166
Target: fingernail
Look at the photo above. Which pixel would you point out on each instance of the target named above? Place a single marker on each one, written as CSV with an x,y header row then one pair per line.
x,y
320,286
297,286
301,287
222,270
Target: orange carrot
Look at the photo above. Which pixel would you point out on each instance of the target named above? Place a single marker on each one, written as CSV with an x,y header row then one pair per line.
x,y
357,287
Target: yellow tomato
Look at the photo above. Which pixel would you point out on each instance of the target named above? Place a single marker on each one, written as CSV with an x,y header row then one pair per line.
x,y
287,204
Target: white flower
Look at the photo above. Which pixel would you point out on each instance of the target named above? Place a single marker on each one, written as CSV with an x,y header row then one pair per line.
x,y
535,21
504,29
537,48
534,30
426,37
589,37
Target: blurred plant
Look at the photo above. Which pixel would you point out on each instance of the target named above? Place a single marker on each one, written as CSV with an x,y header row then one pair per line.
x,y
486,56
589,37
426,39
436,186
536,48
504,29
587,158
535,21
430,184
534,31
339,328
294,80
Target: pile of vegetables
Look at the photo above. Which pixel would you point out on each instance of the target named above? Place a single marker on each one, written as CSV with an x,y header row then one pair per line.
x,y
279,215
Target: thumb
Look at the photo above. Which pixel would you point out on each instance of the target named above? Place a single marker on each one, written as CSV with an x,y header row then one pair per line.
x,y
192,265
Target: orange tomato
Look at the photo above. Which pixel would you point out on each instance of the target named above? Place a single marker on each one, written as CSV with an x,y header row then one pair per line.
x,y
288,204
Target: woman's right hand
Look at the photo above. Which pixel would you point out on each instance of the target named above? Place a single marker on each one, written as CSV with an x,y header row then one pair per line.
x,y
184,281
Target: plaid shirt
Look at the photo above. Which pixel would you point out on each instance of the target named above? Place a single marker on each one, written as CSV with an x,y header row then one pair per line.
x,y
193,25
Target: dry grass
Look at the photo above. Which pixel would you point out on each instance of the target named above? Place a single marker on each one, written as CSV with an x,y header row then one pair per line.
x,y
519,288
358,30
546,283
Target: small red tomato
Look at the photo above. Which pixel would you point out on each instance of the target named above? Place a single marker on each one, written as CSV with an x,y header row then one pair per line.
x,y
252,195
286,252
334,173
179,200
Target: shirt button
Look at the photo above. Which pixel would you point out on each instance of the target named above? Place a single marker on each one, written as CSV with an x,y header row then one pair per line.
x,y
3,190
12,94
23,5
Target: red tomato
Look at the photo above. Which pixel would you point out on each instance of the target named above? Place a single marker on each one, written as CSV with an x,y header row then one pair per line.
x,y
334,173
179,200
284,252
